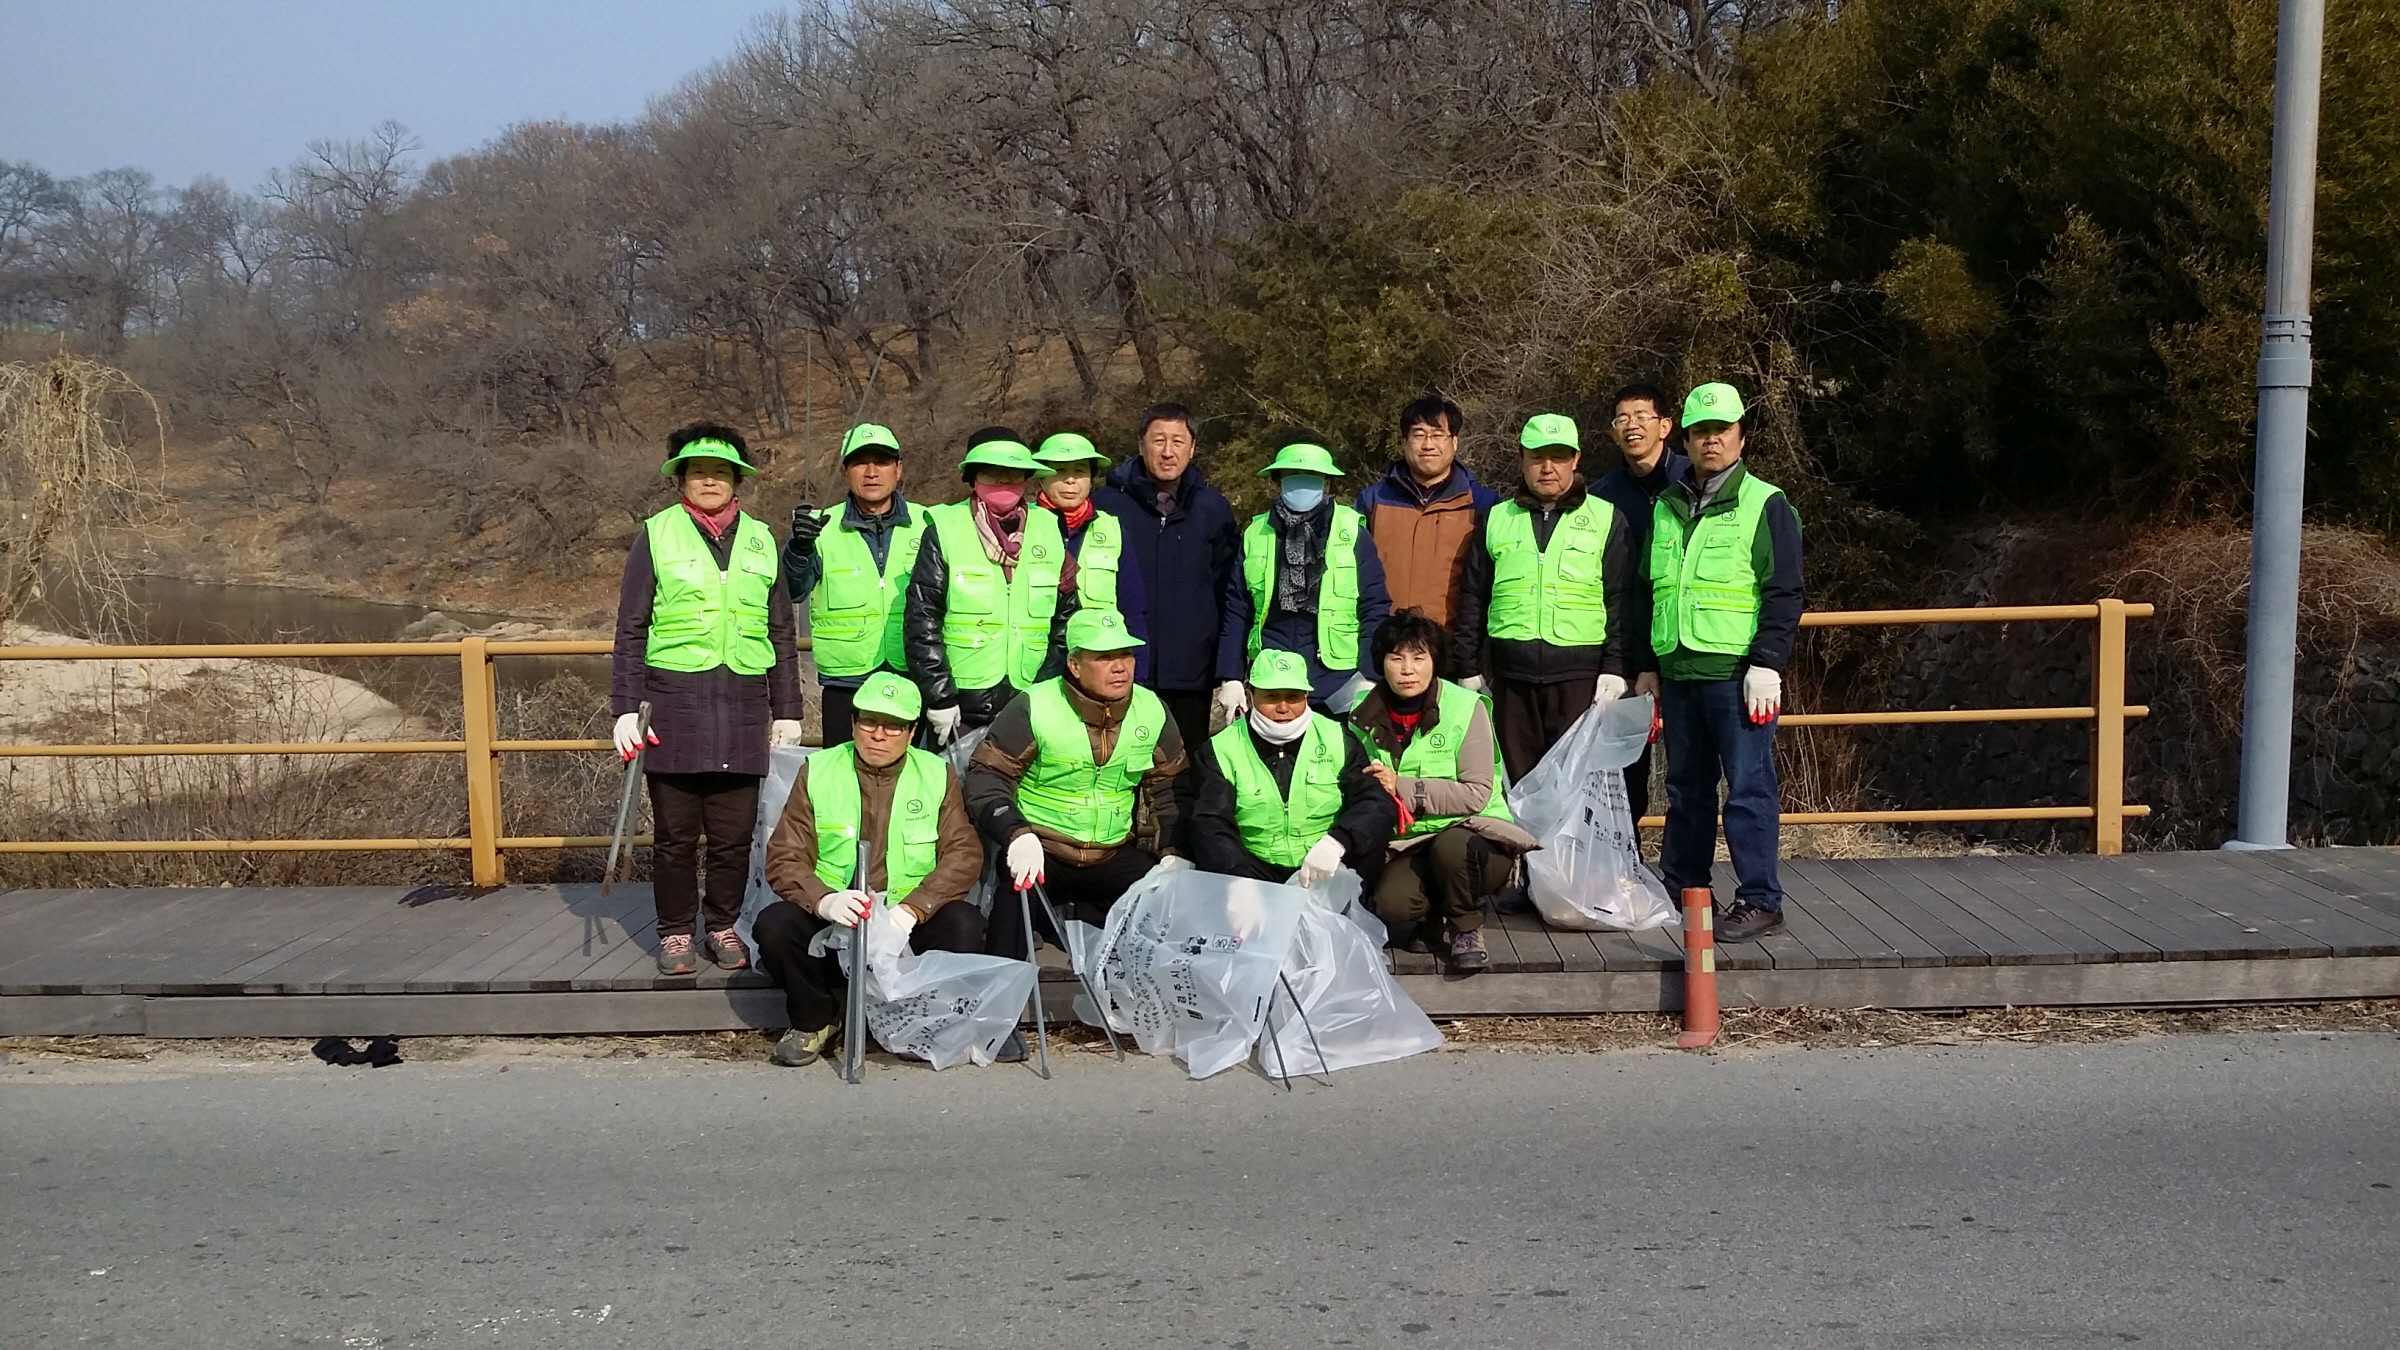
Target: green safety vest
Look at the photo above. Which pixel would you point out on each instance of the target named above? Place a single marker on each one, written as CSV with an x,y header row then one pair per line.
x,y
1434,754
1279,830
1337,591
1096,566
702,617
1552,594
1063,791
996,629
1704,581
916,818
854,613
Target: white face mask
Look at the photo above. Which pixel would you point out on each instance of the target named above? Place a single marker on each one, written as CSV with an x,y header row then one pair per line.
x,y
1280,733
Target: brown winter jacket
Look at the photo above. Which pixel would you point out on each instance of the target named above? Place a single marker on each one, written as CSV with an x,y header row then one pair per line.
x,y
1422,536
792,849
999,764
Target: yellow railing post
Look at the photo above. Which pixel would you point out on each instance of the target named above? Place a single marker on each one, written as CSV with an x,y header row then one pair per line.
x,y
2108,730
479,718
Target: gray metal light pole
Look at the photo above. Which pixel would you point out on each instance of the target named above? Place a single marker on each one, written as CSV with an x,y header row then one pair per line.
x,y
2283,379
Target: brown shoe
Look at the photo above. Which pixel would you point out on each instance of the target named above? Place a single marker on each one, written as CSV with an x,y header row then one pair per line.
x,y
1467,952
675,954
726,949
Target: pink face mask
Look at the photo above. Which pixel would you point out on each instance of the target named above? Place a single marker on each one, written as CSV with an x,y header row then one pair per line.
x,y
1000,498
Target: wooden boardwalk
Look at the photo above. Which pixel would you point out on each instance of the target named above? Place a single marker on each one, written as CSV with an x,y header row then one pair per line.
x,y
1898,932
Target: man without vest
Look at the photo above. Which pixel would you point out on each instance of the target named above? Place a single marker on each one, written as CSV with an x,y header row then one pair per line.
x,y
1553,606
1424,509
1077,783
1095,540
1312,583
983,619
924,859
1181,536
1725,608
702,638
851,563
1641,423
1285,795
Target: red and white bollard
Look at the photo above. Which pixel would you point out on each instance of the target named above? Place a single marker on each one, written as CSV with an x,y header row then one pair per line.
x,y
1699,970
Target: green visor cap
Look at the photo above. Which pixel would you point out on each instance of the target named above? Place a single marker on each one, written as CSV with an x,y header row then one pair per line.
x,y
1301,457
1279,670
869,436
1000,455
1068,447
707,447
1099,630
890,695
1712,403
1550,429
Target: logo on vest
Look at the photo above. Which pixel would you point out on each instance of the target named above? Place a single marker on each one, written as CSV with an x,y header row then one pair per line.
x,y
1141,733
916,806
1040,553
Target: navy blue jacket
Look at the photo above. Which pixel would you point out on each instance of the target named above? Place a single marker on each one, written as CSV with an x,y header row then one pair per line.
x,y
1190,563
1633,497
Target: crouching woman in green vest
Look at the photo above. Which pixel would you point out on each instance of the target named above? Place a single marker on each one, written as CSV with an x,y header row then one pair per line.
x,y
702,640
1285,794
983,621
1434,753
923,858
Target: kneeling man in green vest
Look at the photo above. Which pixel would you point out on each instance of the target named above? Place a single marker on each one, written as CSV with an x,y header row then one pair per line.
x,y
1077,783
1285,795
923,859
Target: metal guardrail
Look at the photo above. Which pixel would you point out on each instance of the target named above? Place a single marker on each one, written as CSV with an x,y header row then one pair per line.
x,y
487,846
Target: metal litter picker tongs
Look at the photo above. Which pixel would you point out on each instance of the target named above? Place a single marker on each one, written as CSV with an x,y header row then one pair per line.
x,y
854,1015
633,774
1041,1021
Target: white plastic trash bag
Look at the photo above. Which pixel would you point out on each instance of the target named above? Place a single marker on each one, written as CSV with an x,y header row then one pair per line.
x,y
944,1008
1350,1010
1588,873
783,770
1188,962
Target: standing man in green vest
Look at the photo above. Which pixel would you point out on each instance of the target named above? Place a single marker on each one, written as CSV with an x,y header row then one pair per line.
x,y
1071,467
1077,783
925,858
1312,584
1553,606
851,563
983,619
1285,795
1725,610
702,638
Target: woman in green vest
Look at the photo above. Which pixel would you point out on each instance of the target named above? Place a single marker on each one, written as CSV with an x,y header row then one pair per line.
x,y
702,640
1433,750
849,564
1285,795
1071,466
1312,583
924,859
983,620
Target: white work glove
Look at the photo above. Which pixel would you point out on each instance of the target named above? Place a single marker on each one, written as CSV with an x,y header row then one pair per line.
x,y
1473,684
1175,863
1319,862
628,735
1612,688
784,732
844,907
1233,701
900,919
944,722
1024,861
1762,694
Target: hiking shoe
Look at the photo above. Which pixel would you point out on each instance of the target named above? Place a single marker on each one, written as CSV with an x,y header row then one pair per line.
x,y
675,954
798,1049
726,949
1746,922
1012,1050
1467,952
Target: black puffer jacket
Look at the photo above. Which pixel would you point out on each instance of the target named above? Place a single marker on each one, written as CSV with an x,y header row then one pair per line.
x,y
929,660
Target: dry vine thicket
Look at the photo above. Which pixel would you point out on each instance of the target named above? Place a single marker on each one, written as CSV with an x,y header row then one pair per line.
x,y
70,475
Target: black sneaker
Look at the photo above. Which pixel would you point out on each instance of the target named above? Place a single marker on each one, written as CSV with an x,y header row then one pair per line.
x,y
1746,922
1012,1050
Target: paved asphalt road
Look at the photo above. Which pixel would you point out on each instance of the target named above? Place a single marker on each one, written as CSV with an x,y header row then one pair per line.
x,y
2179,1192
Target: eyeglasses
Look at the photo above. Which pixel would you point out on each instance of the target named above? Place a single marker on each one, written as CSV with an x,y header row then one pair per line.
x,y
1628,419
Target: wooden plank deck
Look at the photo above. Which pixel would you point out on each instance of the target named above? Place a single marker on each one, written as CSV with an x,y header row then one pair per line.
x,y
1888,932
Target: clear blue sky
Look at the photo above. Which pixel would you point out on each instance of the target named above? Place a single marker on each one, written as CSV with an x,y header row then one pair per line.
x,y
235,88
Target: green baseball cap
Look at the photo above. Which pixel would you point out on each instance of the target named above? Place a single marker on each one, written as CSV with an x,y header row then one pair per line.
x,y
1000,455
707,447
1550,429
1068,447
1302,457
1099,630
889,694
868,436
1713,403
1279,670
